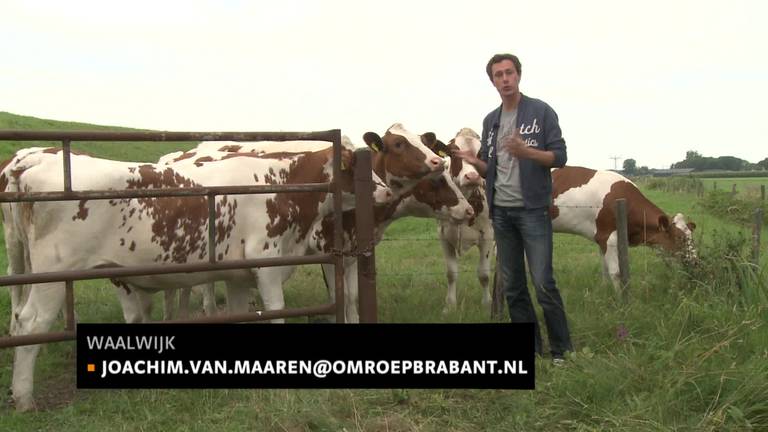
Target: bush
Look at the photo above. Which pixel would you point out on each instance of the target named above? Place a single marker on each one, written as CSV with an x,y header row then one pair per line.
x,y
724,204
725,267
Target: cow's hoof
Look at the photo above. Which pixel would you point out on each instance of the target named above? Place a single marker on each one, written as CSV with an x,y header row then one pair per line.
x,y
448,308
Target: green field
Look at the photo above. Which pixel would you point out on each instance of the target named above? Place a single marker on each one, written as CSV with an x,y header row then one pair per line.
x,y
695,357
744,186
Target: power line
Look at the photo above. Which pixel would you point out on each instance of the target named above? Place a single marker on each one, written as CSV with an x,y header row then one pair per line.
x,y
615,159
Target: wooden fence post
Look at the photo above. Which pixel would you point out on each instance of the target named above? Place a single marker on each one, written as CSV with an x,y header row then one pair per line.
x,y
497,297
756,230
714,185
622,246
366,260
762,193
733,190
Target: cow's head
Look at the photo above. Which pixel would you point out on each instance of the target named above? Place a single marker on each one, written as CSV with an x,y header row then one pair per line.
x,y
402,159
382,194
676,236
442,199
464,174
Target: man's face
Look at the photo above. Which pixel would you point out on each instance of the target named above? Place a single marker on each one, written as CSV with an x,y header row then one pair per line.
x,y
505,78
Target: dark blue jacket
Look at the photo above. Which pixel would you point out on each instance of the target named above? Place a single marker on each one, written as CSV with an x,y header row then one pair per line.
x,y
538,126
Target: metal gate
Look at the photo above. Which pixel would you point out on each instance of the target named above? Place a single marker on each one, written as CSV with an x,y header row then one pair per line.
x,y
363,188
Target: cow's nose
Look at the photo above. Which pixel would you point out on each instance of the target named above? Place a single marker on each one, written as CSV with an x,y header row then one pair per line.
x,y
388,195
470,212
471,177
436,163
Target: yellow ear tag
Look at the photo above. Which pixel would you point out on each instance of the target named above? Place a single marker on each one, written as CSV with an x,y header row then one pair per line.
x,y
442,153
375,147
343,165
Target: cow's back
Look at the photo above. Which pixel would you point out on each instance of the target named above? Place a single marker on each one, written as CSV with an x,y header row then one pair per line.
x,y
579,194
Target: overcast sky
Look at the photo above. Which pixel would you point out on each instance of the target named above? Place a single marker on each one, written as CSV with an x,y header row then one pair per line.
x,y
644,80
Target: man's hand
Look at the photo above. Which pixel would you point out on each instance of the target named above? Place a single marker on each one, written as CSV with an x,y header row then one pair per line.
x,y
467,155
516,146
519,149
472,159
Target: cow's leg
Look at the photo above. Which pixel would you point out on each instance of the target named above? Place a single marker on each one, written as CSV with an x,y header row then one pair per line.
x,y
238,295
451,272
351,298
604,265
184,296
169,300
611,261
37,316
136,304
484,269
270,282
209,298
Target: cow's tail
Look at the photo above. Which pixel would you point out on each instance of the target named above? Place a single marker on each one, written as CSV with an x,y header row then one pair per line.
x,y
16,246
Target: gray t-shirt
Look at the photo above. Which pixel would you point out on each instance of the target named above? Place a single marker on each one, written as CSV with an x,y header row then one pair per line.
x,y
508,192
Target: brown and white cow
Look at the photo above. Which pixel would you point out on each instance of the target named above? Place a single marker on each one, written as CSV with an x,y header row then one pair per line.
x,y
433,197
456,239
584,202
132,232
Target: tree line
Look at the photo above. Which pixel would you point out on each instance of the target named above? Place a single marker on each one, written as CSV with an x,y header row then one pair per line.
x,y
697,162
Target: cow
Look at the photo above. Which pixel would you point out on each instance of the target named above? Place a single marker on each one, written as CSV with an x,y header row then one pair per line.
x,y
149,231
189,162
436,197
457,238
583,204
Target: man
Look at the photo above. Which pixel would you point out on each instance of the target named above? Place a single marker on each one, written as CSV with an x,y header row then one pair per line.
x,y
521,141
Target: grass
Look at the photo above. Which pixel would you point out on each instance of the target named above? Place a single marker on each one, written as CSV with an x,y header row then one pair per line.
x,y
693,357
749,187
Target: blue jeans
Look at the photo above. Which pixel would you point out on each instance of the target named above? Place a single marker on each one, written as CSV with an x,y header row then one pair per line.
x,y
523,232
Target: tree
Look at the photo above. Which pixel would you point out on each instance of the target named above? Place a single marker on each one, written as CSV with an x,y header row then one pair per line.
x,y
763,164
630,166
695,160
643,170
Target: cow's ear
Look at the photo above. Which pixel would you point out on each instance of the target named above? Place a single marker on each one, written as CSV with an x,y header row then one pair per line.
x,y
438,147
429,139
441,149
664,222
373,140
691,226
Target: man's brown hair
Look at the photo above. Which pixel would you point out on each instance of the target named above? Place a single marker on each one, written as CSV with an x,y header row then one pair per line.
x,y
498,58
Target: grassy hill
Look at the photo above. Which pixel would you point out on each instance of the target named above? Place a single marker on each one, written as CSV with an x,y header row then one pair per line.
x,y
131,151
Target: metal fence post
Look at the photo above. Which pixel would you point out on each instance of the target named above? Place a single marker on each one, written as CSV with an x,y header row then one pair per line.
x,y
69,285
756,230
366,258
622,245
733,190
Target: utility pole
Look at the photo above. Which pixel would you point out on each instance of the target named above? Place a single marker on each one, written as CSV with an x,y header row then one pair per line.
x,y
615,159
